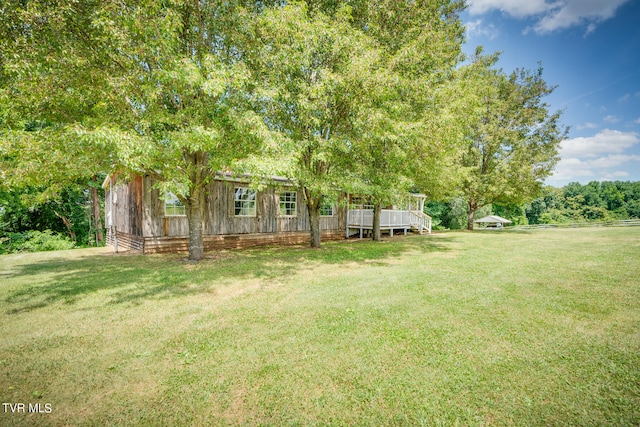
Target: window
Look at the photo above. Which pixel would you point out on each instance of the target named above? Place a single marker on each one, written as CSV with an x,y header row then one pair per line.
x,y
245,202
360,203
173,206
326,209
288,203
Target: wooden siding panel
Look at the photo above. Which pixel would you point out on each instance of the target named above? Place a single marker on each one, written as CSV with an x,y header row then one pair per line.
x,y
126,241
135,203
153,224
122,213
234,241
177,226
268,210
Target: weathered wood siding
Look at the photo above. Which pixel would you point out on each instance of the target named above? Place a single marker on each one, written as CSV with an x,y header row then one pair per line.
x,y
127,215
235,241
220,218
126,242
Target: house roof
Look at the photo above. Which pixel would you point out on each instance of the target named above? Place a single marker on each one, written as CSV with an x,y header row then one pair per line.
x,y
106,181
221,176
494,219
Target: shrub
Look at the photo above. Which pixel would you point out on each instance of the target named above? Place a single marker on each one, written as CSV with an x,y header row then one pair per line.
x,y
34,241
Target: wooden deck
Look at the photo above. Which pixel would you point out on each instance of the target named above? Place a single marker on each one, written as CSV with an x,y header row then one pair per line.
x,y
361,220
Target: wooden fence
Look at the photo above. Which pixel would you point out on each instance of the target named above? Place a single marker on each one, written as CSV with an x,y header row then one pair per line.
x,y
619,223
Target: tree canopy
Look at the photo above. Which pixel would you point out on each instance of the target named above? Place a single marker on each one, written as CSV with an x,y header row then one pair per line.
x,y
511,140
161,85
352,95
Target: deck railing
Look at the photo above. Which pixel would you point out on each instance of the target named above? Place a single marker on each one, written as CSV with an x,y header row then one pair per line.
x,y
389,218
420,221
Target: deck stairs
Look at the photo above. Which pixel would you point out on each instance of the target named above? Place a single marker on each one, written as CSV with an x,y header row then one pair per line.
x,y
361,220
420,222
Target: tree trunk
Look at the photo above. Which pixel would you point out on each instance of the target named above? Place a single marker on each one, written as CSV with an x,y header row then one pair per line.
x,y
97,217
195,213
313,207
473,206
68,225
377,211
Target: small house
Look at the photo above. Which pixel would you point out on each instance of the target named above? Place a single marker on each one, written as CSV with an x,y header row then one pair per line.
x,y
139,217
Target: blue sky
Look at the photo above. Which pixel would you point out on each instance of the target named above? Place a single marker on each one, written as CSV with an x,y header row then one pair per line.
x,y
590,50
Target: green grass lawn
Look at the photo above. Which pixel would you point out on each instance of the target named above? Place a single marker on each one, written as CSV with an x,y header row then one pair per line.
x,y
486,328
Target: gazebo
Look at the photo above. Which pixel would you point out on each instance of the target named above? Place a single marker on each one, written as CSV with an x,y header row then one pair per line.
x,y
492,221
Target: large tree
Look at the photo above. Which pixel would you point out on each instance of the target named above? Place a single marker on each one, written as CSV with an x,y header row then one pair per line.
x,y
511,139
352,89
51,82
316,70
405,131
162,84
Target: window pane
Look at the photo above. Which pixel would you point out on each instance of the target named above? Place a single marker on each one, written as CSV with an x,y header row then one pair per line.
x,y
360,203
245,202
173,206
288,203
326,210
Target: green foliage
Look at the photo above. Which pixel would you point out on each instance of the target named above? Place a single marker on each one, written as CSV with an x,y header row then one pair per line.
x,y
511,138
21,211
452,215
349,87
51,92
34,241
405,141
437,212
456,218
595,201
351,95
154,88
514,212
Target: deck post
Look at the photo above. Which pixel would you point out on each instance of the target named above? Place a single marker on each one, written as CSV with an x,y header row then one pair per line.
x,y
346,228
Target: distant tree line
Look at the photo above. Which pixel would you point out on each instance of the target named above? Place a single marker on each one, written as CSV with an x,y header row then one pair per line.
x,y
595,201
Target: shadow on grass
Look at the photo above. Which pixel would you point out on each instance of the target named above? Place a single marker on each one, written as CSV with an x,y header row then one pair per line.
x,y
133,278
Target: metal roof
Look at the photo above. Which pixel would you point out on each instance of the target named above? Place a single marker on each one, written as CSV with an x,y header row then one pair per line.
x,y
493,219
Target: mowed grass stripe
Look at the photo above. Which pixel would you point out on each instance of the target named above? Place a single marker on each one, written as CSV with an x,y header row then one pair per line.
x,y
489,328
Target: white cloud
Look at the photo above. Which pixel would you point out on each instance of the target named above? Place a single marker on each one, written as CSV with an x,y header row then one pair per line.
x,y
477,29
571,170
553,14
624,97
587,125
612,161
607,141
515,8
637,121
576,12
616,175
601,169
611,119
599,157
590,28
